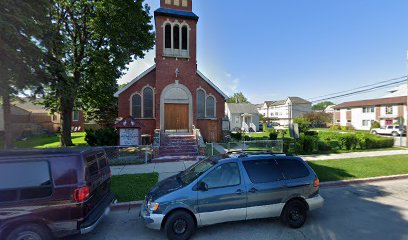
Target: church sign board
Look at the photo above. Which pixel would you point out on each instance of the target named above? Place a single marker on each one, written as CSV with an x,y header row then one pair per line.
x,y
129,132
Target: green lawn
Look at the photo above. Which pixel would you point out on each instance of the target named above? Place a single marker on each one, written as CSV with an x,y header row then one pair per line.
x,y
331,130
346,169
129,188
47,141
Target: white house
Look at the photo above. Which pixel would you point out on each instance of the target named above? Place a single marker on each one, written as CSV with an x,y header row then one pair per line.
x,y
242,116
284,111
361,114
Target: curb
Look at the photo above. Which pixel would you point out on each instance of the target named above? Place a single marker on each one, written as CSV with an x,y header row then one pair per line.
x,y
361,181
332,184
126,205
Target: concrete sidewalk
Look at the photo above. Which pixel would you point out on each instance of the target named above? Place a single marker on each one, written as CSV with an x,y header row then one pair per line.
x,y
334,156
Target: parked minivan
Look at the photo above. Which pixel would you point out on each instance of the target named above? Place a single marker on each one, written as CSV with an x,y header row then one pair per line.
x,y
46,194
233,187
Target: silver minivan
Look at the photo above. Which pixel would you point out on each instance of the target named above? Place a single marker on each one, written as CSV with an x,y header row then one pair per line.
x,y
235,186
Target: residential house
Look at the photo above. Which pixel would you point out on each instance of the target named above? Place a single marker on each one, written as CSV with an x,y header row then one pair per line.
x,y
284,111
361,114
242,116
30,117
173,95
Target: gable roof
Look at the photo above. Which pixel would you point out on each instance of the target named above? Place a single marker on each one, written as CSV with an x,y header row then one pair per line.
x,y
135,80
29,105
298,100
373,102
242,108
212,84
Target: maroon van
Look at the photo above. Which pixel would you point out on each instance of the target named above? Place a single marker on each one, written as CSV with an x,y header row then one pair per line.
x,y
47,194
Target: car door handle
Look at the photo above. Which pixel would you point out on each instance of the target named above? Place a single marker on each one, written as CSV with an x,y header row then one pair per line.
x,y
253,190
239,192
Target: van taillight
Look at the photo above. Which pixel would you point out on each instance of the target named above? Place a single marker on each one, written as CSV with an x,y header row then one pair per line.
x,y
316,182
81,194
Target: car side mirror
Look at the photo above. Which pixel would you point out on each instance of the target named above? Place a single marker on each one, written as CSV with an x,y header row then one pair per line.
x,y
203,187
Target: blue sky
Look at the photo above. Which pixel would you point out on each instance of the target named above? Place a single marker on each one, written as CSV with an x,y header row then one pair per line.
x,y
271,49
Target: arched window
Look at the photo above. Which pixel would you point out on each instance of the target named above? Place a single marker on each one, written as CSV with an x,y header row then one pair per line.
x,y
136,106
210,107
148,103
167,36
184,38
200,104
176,37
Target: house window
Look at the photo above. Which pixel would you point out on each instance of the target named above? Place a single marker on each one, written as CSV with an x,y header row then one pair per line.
x,y
168,1
366,123
54,118
176,37
210,107
136,106
338,121
184,3
167,36
200,104
368,109
389,110
349,121
148,103
177,2
236,119
75,116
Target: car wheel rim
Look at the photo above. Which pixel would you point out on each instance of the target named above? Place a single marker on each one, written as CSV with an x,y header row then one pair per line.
x,y
28,236
180,226
295,215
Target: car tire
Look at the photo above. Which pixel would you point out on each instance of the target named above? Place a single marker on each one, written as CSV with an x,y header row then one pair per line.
x,y
294,214
395,134
180,225
374,132
29,231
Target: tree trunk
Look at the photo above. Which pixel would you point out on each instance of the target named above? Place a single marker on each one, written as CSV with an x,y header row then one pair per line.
x,y
8,134
67,106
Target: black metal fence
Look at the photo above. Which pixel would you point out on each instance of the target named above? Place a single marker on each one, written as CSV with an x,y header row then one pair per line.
x,y
120,155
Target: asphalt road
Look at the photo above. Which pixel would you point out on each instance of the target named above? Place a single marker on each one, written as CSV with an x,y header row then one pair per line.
x,y
371,211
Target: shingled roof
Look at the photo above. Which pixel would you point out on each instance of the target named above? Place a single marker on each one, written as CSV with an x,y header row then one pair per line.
x,y
373,102
242,108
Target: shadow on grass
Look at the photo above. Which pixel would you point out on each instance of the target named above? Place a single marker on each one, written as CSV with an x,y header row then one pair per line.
x,y
326,174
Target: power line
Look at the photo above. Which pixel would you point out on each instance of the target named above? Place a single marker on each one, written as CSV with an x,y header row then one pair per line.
x,y
361,91
353,89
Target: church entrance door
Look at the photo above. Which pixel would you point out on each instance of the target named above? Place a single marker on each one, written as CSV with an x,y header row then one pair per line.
x,y
176,117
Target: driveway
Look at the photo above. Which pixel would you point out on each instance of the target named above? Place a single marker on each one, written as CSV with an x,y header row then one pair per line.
x,y
374,211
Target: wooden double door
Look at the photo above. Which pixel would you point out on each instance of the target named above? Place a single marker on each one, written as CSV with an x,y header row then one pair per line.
x,y
176,117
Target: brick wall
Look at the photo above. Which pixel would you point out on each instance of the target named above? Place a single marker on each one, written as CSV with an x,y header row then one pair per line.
x,y
180,7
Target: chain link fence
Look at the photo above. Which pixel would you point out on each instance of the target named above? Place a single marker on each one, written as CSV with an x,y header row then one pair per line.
x,y
120,155
275,146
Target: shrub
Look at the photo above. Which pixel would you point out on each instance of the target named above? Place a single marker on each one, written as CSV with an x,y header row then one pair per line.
x,y
368,141
303,123
335,127
101,137
237,136
273,135
247,138
324,146
375,124
307,144
348,141
311,133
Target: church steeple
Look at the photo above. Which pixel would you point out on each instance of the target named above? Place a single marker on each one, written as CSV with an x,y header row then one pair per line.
x,y
176,26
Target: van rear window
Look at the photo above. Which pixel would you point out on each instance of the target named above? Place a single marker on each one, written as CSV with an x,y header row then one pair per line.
x,y
96,162
24,180
293,168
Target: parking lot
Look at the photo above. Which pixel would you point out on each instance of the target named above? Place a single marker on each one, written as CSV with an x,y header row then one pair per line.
x,y
371,211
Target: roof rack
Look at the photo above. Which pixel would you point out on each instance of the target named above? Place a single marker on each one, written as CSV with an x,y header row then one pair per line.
x,y
244,153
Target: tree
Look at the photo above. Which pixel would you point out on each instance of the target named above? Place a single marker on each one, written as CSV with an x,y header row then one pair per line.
x,y
96,40
237,98
303,124
23,24
322,106
319,119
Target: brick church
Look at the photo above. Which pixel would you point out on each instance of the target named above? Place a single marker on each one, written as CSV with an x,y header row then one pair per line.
x,y
173,95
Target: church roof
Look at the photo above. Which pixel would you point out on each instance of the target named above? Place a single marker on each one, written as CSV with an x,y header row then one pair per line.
x,y
135,80
175,13
153,68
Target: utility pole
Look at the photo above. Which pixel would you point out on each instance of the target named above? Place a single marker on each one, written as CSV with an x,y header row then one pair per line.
x,y
405,118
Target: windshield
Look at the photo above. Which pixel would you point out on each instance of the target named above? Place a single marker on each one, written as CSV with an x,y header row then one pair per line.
x,y
195,171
